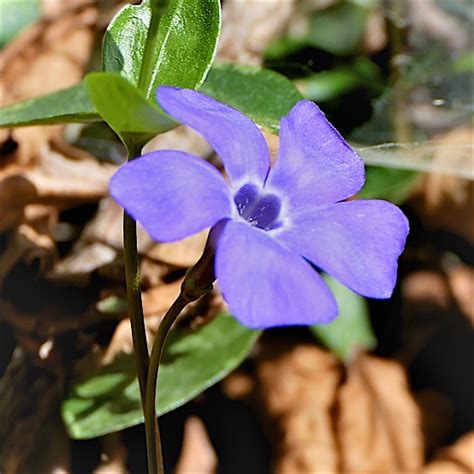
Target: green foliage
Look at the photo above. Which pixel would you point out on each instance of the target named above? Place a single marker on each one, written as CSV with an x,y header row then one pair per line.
x,y
64,106
125,108
332,83
263,95
176,49
17,15
351,331
391,184
339,29
193,360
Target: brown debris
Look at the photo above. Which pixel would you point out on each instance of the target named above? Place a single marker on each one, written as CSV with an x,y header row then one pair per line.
x,y
456,459
39,174
298,387
444,201
249,27
197,454
367,422
461,283
379,422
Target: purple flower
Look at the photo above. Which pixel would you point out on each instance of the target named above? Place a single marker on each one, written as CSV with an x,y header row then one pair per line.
x,y
270,223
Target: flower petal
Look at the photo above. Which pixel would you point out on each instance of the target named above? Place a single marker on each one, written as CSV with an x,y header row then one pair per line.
x,y
235,138
357,242
315,165
265,283
171,194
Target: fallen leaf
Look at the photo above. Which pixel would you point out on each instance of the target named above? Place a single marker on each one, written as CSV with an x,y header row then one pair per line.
x,y
378,426
461,283
197,453
248,27
298,387
456,459
327,418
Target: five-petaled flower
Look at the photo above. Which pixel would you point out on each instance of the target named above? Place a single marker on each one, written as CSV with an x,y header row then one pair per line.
x,y
270,223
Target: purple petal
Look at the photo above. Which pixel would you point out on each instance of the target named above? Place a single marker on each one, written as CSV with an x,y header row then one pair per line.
x,y
171,194
357,242
265,283
234,137
314,165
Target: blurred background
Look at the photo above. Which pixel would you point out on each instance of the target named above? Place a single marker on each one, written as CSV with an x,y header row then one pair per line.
x,y
392,393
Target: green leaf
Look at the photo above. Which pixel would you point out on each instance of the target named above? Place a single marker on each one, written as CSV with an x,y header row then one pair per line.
x,y
193,361
125,108
178,51
340,29
351,331
16,15
64,106
392,184
263,95
332,83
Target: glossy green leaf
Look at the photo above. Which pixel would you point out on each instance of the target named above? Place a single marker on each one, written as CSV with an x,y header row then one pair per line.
x,y
351,331
16,15
125,108
193,361
263,95
64,106
176,49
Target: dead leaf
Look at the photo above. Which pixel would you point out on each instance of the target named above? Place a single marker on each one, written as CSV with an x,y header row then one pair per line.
x,y
113,458
461,283
456,459
436,418
39,174
298,388
378,426
197,453
249,26
325,420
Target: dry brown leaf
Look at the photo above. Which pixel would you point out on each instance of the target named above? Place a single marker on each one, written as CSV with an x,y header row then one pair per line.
x,y
113,458
436,418
197,453
375,35
328,421
101,243
437,24
298,387
445,202
39,174
30,240
379,427
456,459
249,26
461,283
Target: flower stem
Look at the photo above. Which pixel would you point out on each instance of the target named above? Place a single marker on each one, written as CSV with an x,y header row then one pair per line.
x,y
134,298
197,282
132,279
153,442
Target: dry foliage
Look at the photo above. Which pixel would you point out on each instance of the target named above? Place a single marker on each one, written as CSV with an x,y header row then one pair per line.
x,y
456,459
40,174
331,419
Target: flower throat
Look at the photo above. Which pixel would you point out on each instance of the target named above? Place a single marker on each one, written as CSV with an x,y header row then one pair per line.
x,y
258,209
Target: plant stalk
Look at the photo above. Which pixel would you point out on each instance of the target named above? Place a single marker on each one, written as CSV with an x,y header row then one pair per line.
x,y
197,282
134,298
153,441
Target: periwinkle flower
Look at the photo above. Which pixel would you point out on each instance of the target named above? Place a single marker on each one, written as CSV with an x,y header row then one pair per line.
x,y
269,223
